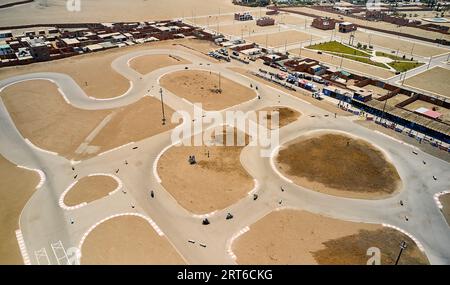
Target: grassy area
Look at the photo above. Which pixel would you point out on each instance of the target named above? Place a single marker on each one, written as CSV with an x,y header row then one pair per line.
x,y
403,66
339,48
391,56
364,60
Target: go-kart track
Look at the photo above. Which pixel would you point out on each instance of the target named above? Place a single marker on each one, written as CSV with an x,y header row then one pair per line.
x,y
48,232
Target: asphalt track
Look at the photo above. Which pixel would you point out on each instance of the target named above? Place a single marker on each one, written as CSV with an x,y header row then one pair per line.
x,y
50,238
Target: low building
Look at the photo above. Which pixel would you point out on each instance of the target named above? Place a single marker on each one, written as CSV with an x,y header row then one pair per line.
x,y
265,21
5,34
243,17
39,49
347,27
324,23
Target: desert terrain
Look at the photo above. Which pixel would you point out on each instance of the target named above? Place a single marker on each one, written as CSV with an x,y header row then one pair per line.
x,y
203,87
17,186
127,240
89,189
300,237
215,182
433,80
327,163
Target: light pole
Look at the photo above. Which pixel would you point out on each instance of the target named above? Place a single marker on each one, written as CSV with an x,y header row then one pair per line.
x,y
162,107
429,63
403,246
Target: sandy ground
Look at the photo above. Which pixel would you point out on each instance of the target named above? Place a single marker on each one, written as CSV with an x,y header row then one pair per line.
x,y
282,38
285,116
127,240
303,94
145,117
16,187
299,237
89,189
382,25
214,183
200,86
93,72
41,115
148,63
114,10
346,63
394,43
328,162
445,200
433,80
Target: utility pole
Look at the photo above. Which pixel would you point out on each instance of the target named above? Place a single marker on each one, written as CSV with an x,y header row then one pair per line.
x,y
384,108
403,246
412,48
162,107
220,83
404,77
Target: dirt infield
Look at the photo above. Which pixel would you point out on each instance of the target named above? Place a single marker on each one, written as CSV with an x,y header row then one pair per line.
x,y
328,163
433,80
41,115
445,200
144,116
89,189
127,240
299,237
282,38
217,180
148,63
201,86
16,188
286,116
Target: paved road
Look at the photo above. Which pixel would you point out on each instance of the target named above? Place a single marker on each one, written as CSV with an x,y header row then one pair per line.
x,y
46,226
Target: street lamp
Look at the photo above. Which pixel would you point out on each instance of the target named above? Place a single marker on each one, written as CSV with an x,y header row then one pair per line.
x,y
403,246
162,107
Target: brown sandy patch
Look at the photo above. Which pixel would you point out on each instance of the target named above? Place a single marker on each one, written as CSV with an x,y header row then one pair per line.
x,y
41,115
301,93
148,63
434,80
214,183
445,200
201,87
281,38
328,163
127,240
132,123
16,188
300,237
286,116
89,189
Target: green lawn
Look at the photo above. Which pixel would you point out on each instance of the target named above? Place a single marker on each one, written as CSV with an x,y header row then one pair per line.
x,y
391,56
403,66
339,48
